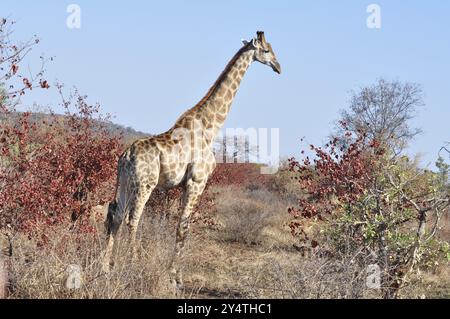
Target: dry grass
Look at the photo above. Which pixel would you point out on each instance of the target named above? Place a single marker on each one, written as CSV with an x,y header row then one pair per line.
x,y
286,185
234,270
433,284
3,281
250,255
42,273
246,214
286,276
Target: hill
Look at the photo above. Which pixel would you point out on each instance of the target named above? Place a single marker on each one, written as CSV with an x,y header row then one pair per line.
x,y
129,134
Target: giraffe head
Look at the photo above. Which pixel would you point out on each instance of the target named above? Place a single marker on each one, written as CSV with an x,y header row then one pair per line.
x,y
263,51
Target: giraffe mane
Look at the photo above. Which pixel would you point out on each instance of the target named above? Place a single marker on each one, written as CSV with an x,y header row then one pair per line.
x,y
217,82
222,75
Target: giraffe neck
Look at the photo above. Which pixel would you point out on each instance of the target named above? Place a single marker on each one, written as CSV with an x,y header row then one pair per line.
x,y
220,96
211,112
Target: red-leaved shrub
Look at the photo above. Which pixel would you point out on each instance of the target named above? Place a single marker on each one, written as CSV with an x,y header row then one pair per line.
x,y
55,168
340,174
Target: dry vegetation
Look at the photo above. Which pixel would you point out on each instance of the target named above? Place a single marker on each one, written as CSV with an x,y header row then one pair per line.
x,y
244,244
247,216
43,273
249,254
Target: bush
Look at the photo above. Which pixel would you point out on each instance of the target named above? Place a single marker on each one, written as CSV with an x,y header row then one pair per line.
x,y
285,184
244,214
367,200
55,168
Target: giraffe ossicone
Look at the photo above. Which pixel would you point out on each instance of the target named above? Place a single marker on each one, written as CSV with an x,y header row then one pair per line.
x,y
182,156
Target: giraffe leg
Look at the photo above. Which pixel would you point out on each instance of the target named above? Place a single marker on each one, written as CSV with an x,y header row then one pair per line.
x,y
107,254
130,204
137,207
192,193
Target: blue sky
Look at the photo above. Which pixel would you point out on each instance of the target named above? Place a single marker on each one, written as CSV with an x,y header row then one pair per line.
x,y
146,62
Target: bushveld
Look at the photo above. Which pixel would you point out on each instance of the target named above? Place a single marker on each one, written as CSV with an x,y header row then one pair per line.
x,y
354,218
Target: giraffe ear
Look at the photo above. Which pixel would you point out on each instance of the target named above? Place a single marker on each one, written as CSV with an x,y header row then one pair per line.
x,y
253,42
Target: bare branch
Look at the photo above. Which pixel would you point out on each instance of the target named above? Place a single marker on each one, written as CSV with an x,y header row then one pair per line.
x,y
383,111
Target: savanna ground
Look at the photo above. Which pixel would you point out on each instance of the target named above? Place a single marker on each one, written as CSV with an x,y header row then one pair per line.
x,y
249,252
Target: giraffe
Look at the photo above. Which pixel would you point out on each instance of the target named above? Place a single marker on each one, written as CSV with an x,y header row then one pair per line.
x,y
181,156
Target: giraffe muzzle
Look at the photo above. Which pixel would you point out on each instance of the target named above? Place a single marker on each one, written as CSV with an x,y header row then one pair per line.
x,y
276,67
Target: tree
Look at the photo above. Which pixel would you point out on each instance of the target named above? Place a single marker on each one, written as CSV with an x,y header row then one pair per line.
x,y
443,169
14,82
371,206
53,169
445,149
228,149
383,112
12,85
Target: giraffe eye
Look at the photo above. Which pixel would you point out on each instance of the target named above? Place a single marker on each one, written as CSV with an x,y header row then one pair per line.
x,y
266,51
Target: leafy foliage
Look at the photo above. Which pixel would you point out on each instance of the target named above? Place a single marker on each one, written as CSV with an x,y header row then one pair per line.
x,y
376,206
53,169
56,169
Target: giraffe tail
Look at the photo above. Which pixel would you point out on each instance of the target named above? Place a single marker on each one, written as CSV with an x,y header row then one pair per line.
x,y
116,208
